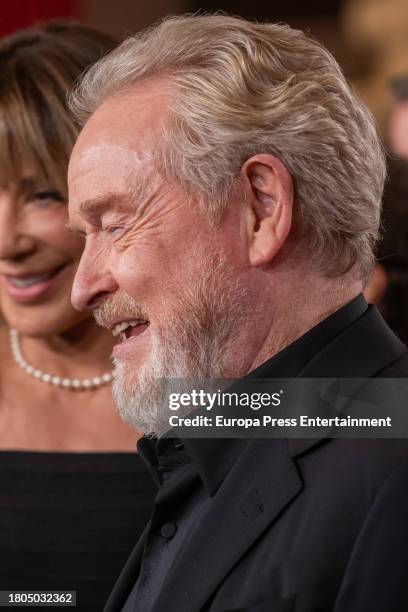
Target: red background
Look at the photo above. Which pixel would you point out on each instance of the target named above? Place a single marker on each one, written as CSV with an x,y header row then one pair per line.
x,y
15,14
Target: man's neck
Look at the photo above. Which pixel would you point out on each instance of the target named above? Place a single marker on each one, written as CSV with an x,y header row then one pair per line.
x,y
296,313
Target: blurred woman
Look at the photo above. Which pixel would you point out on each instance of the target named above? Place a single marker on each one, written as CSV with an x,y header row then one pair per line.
x,y
393,249
74,496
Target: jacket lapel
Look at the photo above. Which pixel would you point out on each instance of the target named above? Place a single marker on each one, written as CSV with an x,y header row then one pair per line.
x,y
128,576
261,484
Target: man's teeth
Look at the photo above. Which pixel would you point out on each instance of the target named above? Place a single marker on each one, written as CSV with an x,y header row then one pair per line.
x,y
121,327
31,280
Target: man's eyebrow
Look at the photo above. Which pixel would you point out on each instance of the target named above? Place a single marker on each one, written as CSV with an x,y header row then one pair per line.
x,y
94,206
89,208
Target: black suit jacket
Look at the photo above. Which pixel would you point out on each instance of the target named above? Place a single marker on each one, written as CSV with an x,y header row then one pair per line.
x,y
302,525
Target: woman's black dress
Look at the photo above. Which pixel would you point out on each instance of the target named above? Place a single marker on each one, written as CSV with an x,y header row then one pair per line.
x,y
68,521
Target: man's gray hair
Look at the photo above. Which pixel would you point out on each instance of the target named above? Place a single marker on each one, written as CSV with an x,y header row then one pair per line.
x,y
242,88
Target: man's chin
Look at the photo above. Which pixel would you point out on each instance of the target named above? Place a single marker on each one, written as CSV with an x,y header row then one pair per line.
x,y
141,418
139,402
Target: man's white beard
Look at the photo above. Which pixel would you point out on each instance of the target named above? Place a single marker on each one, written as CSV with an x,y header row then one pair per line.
x,y
194,342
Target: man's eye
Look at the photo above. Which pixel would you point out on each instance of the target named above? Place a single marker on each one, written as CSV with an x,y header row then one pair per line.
x,y
113,231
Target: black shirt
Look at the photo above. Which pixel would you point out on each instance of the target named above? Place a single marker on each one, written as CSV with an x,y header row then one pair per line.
x,y
179,503
189,472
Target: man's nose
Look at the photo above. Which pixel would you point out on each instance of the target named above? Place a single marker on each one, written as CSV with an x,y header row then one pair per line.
x,y
92,283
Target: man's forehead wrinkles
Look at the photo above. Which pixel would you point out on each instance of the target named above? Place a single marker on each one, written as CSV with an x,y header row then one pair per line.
x,y
129,200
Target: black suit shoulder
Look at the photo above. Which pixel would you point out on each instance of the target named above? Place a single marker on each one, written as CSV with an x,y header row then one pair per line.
x,y
381,552
397,369
352,469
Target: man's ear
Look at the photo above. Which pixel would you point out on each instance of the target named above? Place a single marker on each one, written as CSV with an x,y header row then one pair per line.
x,y
269,195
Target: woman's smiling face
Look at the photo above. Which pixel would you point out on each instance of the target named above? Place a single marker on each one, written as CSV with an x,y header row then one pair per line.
x,y
38,259
38,256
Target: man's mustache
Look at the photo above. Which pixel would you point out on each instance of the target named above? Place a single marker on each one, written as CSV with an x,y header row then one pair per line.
x,y
120,306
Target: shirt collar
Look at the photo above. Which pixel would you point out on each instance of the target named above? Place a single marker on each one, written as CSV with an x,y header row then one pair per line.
x,y
162,455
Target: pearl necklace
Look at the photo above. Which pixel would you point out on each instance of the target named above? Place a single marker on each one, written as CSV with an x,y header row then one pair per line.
x,y
66,383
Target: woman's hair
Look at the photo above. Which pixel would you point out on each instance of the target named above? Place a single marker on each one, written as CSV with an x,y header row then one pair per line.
x,y
38,65
241,88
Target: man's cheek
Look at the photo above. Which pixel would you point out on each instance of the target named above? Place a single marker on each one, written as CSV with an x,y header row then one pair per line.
x,y
141,279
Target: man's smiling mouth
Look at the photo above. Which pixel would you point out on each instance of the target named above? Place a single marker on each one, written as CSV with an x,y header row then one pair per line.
x,y
129,329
